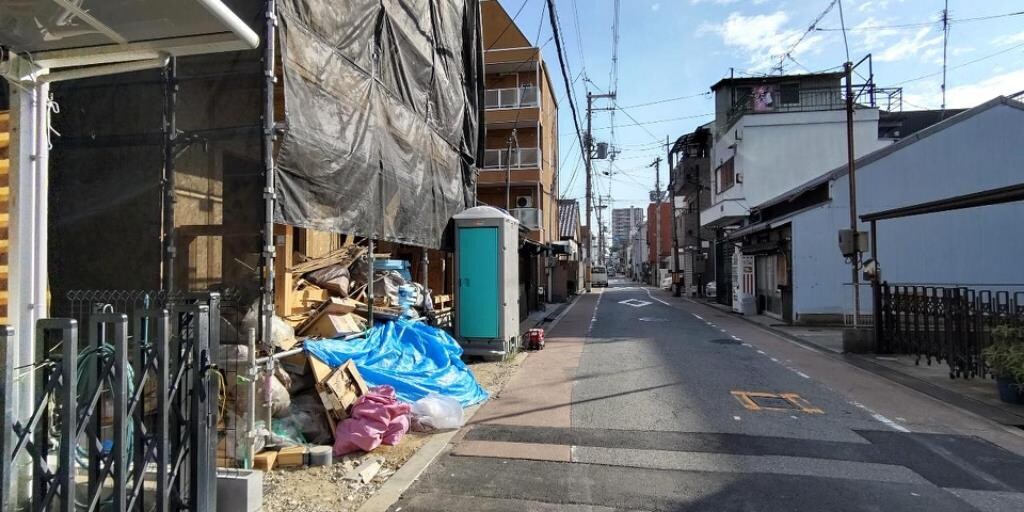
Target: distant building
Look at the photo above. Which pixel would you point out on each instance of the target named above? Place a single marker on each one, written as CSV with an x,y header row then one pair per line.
x,y
624,220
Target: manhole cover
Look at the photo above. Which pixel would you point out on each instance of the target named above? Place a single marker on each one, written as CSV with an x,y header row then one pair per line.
x,y
726,341
651,319
772,402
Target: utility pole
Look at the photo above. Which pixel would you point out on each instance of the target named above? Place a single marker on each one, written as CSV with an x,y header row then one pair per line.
x,y
855,260
508,170
677,285
588,152
657,223
600,229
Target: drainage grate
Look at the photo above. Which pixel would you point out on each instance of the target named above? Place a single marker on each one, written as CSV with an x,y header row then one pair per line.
x,y
773,402
725,341
760,401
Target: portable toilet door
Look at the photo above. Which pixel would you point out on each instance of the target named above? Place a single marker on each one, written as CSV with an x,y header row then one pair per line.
x,y
487,279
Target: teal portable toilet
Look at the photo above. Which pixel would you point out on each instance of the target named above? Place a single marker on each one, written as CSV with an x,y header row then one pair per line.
x,y
487,281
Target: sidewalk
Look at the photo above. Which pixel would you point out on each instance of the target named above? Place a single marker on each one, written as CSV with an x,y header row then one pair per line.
x,y
539,318
977,395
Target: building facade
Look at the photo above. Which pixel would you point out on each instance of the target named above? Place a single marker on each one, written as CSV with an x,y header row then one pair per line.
x,y
970,152
690,184
771,134
519,172
623,221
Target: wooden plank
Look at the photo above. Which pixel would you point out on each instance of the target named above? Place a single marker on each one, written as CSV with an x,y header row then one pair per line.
x,y
291,457
5,139
284,299
264,461
5,165
319,368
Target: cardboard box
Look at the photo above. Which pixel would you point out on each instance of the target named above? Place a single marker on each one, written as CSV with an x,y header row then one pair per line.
x,y
333,326
340,390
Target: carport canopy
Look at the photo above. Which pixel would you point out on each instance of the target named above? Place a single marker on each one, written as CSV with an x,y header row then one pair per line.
x,y
52,34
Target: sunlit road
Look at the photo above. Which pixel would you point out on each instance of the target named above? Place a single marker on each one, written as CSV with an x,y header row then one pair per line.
x,y
645,402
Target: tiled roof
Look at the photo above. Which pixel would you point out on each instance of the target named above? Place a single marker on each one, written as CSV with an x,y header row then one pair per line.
x,y
568,218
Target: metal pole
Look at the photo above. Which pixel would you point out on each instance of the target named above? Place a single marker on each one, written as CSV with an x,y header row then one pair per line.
x,y
168,182
657,223
269,194
677,288
369,283
508,176
589,142
855,263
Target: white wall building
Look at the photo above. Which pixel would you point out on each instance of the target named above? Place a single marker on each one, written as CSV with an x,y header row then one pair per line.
x,y
978,150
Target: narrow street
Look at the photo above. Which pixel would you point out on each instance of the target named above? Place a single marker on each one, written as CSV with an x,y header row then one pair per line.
x,y
642,401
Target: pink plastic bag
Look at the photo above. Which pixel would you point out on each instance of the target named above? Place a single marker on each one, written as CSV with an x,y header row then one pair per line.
x,y
376,418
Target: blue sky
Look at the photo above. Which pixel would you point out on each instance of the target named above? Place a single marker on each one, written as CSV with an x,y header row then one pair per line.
x,y
675,48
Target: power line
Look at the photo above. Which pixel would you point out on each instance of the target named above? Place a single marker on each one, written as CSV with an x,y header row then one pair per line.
x,y
842,21
635,123
657,122
553,18
951,20
810,29
968,63
669,100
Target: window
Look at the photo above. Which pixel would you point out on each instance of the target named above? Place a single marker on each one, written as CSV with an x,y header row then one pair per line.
x,y
725,176
789,94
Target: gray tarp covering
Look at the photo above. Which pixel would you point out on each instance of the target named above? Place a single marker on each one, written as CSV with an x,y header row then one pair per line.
x,y
382,103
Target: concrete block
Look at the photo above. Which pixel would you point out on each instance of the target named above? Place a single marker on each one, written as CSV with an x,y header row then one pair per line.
x,y
239,490
859,341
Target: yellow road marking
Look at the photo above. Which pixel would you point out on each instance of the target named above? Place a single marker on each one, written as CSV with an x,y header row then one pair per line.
x,y
746,398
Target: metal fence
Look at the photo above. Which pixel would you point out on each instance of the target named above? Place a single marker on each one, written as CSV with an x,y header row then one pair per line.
x,y
944,324
125,407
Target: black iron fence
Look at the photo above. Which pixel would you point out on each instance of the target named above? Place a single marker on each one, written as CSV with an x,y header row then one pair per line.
x,y
944,324
125,406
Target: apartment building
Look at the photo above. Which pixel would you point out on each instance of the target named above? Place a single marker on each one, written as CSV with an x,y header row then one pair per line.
x,y
624,220
519,171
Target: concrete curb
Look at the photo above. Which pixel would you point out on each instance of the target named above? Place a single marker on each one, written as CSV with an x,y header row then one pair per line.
x,y
395,487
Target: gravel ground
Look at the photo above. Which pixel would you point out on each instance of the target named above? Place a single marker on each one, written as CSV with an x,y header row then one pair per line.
x,y
324,488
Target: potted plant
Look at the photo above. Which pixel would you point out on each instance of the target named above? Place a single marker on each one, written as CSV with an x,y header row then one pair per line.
x,y
1005,357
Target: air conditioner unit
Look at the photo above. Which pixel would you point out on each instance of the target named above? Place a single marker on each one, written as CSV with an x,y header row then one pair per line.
x,y
524,202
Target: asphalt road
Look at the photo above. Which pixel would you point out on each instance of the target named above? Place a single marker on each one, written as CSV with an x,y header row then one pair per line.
x,y
673,408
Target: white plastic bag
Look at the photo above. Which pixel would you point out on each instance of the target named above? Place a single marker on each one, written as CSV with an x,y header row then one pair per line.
x,y
436,412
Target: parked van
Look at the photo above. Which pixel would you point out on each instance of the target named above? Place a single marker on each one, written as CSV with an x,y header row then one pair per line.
x,y
598,277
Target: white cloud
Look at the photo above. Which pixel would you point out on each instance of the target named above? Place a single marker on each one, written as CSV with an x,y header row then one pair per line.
x,y
1009,39
967,95
909,46
872,34
764,36
720,2
655,7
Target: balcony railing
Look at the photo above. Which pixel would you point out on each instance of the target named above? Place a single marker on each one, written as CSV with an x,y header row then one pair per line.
x,y
522,158
530,218
770,99
513,97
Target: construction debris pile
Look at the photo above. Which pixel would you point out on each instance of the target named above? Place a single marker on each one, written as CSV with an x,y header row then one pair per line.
x,y
330,383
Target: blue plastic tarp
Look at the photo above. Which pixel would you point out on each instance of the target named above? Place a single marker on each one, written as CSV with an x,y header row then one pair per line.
x,y
414,358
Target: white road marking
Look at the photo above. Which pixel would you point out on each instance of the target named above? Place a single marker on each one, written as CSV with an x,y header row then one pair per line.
x,y
737,418
593,319
800,373
655,298
775,360
761,352
699,317
635,303
737,338
882,419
